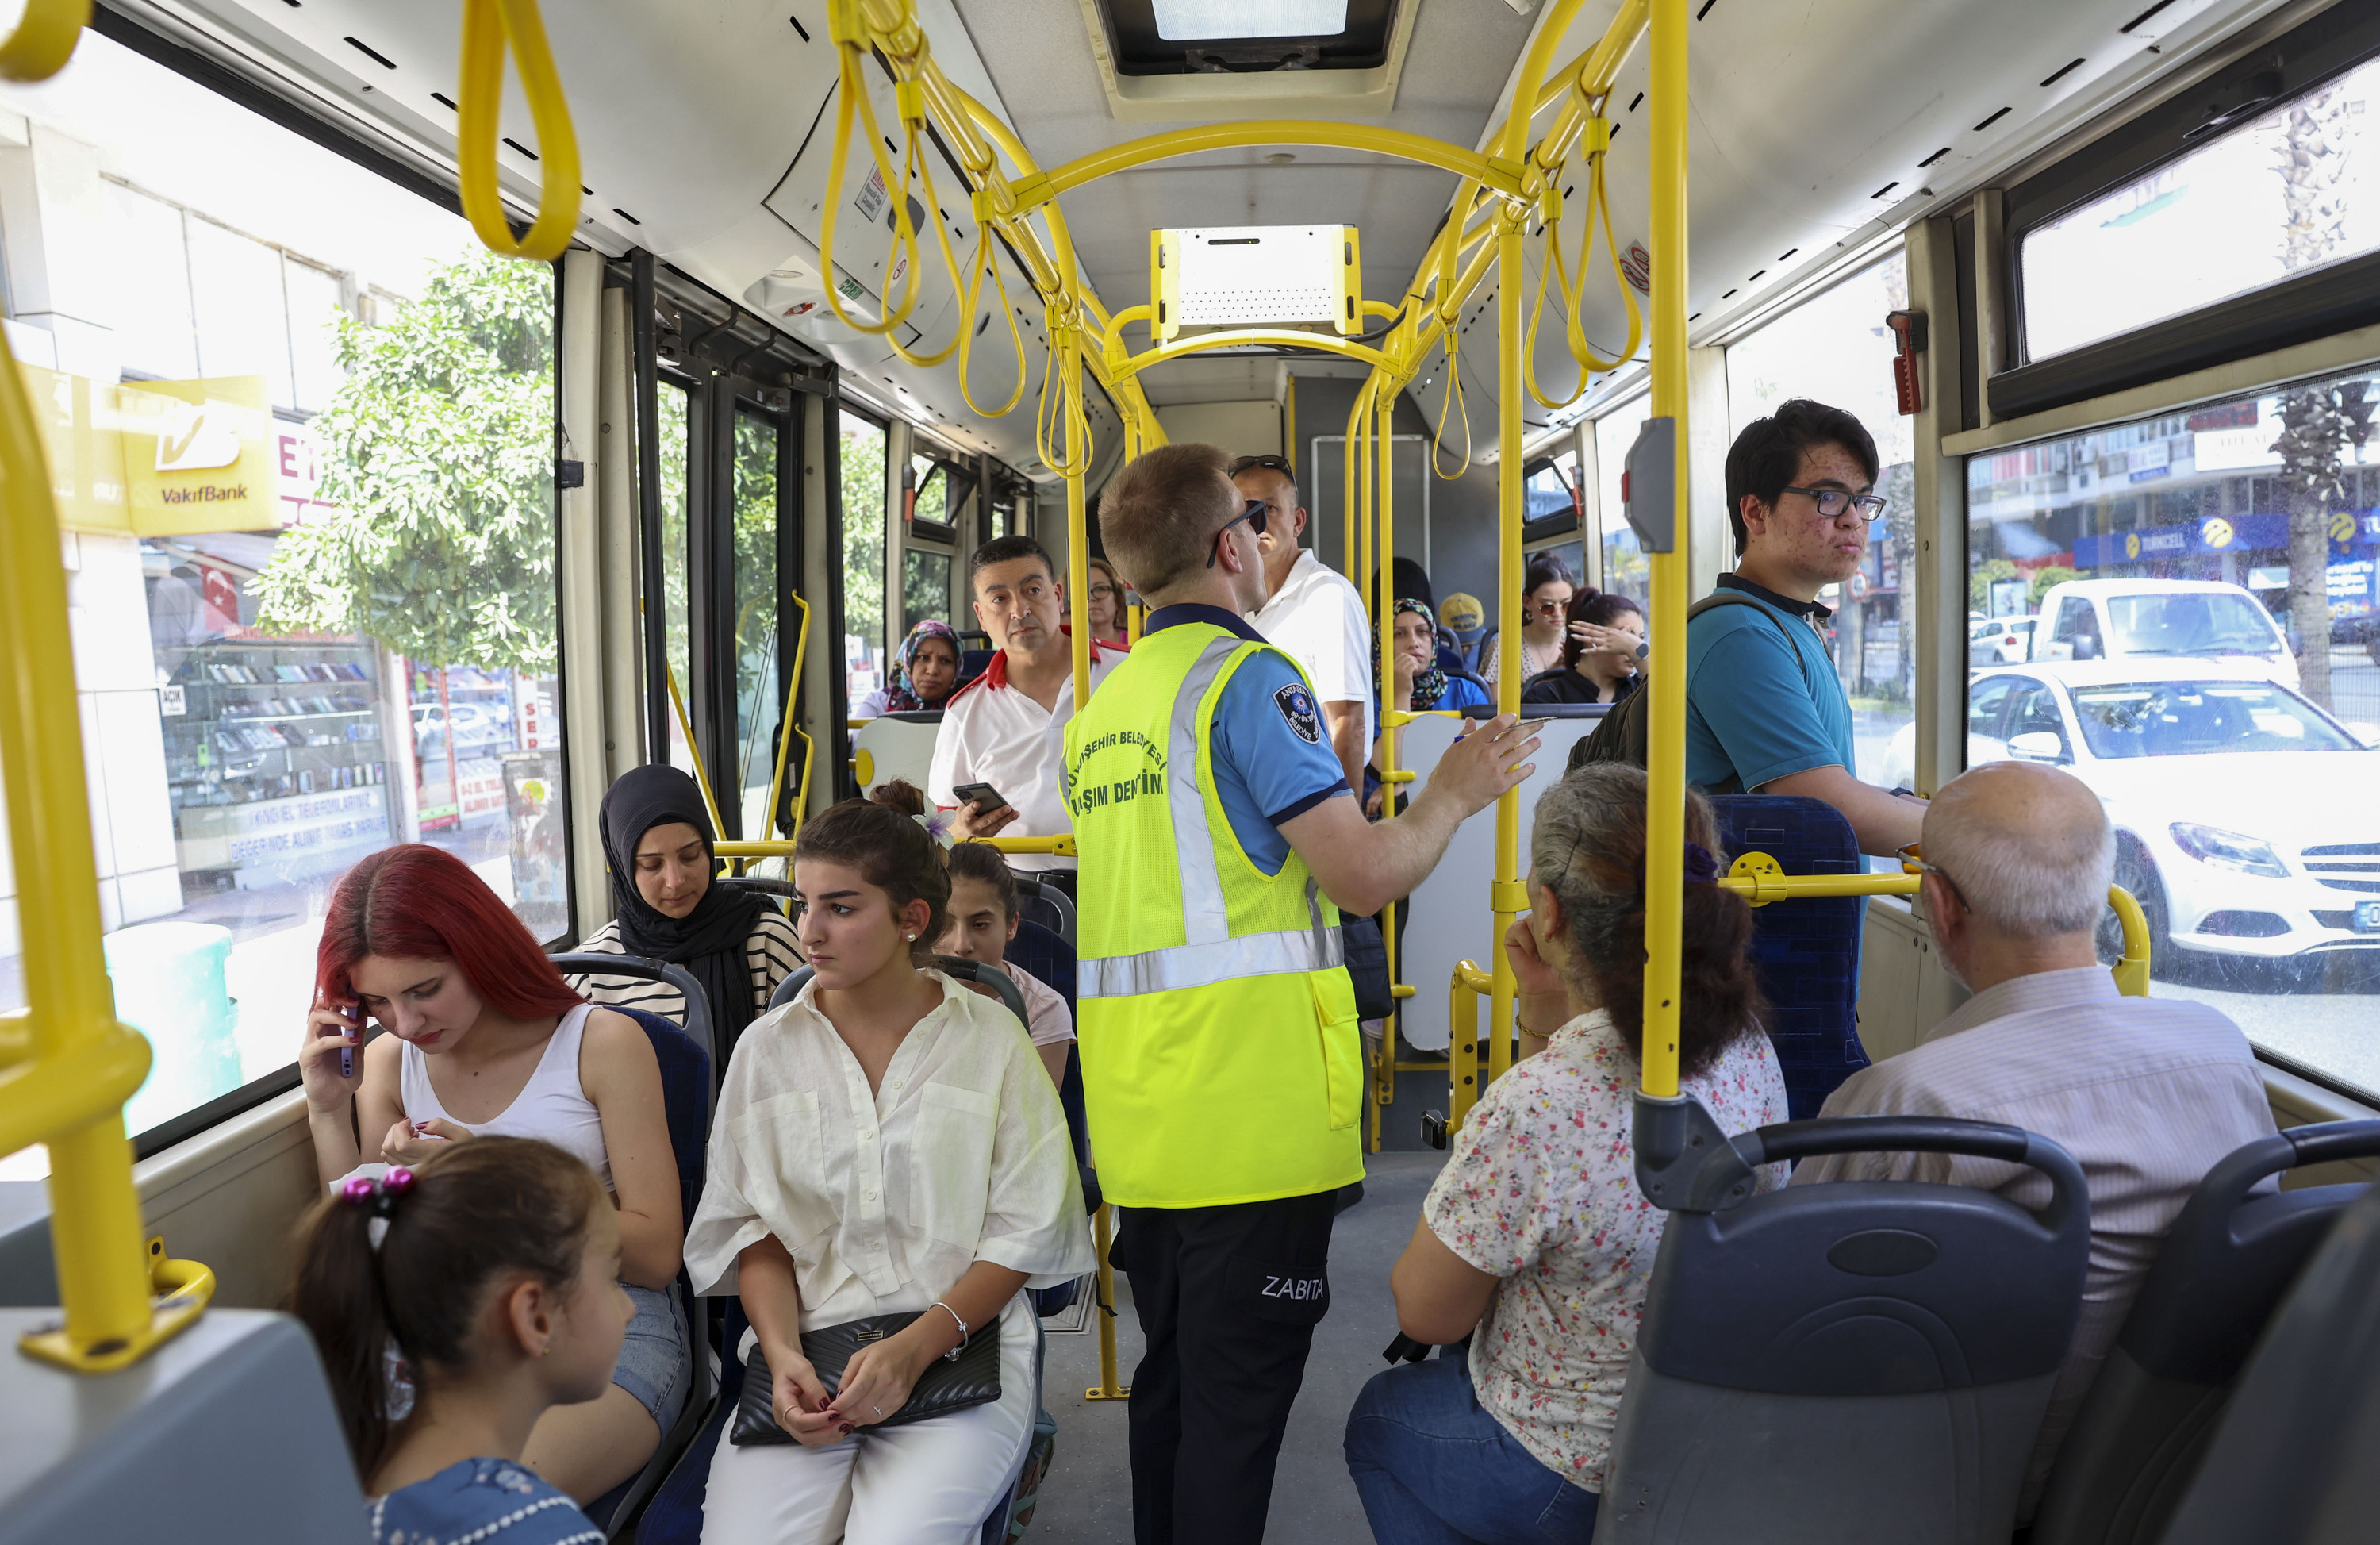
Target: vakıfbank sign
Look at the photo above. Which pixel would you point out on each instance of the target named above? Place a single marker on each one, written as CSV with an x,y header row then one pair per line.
x,y
158,458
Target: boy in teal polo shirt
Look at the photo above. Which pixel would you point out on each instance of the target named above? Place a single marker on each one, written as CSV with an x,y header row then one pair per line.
x,y
1764,710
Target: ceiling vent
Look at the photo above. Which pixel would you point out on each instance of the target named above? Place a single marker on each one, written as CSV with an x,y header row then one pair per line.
x,y
1198,60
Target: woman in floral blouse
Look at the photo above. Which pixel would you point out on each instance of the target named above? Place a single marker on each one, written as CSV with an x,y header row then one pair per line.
x,y
1535,1241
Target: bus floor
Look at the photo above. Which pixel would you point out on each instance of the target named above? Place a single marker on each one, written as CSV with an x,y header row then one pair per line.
x,y
1087,1498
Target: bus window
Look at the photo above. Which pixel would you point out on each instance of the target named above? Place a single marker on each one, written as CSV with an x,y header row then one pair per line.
x,y
1836,348
863,494
1626,570
2236,771
336,641
671,401
759,691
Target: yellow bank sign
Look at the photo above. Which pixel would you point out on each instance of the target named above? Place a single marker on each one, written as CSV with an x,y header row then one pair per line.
x,y
159,458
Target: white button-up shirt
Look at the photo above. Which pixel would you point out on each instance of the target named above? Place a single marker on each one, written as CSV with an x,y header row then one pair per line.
x,y
1317,619
884,1200
992,733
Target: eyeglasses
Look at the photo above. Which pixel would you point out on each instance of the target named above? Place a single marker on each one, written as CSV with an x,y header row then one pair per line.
x,y
1909,859
1255,515
1833,502
1269,463
1549,608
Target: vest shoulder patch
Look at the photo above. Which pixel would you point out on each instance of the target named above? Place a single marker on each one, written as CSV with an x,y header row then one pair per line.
x,y
1296,705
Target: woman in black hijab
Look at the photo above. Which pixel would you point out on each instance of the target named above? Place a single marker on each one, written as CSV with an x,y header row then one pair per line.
x,y
657,841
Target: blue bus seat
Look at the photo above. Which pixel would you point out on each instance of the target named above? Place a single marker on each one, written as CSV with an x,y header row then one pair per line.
x,y
2290,1463
697,1025
687,1089
1048,906
1855,1361
1807,951
2232,1255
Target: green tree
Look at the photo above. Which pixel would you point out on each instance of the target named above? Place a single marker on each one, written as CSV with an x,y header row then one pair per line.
x,y
1979,583
437,456
2043,579
863,532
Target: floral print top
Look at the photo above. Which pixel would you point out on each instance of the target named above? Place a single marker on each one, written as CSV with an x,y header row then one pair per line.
x,y
1541,1191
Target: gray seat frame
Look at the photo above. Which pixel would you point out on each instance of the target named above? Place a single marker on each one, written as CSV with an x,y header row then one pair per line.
x,y
951,966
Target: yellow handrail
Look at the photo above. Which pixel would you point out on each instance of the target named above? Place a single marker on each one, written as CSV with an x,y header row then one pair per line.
x,y
694,753
44,39
1061,847
489,27
788,729
1462,1065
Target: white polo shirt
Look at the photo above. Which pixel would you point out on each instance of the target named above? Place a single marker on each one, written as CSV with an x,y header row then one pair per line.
x,y
1317,619
991,733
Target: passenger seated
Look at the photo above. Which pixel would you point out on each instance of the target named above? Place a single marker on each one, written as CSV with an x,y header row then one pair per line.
x,y
1598,661
2146,1092
1418,685
657,844
1546,592
886,1145
1535,1242
485,1041
982,912
492,1272
922,675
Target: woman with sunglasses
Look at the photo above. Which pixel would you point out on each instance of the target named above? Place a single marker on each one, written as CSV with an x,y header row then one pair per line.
x,y
1546,592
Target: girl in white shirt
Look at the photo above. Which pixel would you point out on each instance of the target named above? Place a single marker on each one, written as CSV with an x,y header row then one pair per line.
x,y
887,1142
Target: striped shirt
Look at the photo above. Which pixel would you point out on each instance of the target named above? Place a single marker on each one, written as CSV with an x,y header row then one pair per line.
x,y
2146,1093
768,950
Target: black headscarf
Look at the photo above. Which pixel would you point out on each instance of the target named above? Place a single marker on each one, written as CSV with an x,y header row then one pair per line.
x,y
709,941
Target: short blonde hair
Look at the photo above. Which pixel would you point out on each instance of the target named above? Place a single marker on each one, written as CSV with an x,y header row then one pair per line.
x,y
1159,514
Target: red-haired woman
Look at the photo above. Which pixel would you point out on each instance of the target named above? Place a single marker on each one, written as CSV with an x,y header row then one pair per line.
x,y
485,1040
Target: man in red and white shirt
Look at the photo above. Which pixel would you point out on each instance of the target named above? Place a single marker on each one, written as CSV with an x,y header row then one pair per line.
x,y
1008,727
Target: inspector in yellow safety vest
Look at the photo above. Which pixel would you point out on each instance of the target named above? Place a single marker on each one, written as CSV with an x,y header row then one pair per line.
x,y
1221,1057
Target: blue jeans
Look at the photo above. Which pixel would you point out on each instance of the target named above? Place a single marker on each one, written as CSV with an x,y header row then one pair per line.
x,y
1434,1468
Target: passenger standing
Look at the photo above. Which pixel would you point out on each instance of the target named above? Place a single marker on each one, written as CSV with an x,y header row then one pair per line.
x,y
485,1041
1546,589
1535,1242
886,1146
1105,603
657,842
1004,728
1766,712
1221,1066
1312,613
492,1273
2147,1093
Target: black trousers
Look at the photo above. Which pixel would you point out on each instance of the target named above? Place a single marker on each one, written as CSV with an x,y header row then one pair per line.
x,y
1228,1298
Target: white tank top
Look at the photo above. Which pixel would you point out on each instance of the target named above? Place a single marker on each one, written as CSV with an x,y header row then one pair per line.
x,y
551,1107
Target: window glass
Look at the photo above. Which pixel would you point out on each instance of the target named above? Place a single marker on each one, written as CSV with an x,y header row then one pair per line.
x,y
297,639
862,496
1834,348
2296,188
2223,682
1626,570
759,691
1548,491
675,446
932,483
925,588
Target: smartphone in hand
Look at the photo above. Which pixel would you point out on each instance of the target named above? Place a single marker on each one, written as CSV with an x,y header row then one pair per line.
x,y
983,797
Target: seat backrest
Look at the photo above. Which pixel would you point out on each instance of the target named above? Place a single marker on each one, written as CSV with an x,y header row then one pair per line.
x,y
697,1002
949,966
686,1088
1039,902
779,893
2291,1461
1807,950
1048,956
1860,1361
896,746
2229,1258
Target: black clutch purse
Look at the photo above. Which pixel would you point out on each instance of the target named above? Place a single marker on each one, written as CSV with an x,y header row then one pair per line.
x,y
973,1379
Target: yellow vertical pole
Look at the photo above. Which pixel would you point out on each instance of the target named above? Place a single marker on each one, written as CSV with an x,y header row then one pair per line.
x,y
94,1214
1366,409
1505,893
1078,542
1384,408
1104,1312
1665,815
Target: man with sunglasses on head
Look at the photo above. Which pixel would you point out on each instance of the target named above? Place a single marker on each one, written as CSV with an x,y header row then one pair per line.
x,y
1221,1065
1312,613
1766,713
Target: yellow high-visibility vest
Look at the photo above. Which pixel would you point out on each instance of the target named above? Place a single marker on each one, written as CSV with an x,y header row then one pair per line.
x,y
1221,1057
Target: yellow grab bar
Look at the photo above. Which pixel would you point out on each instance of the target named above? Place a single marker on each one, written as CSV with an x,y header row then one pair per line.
x,y
489,27
788,729
1061,846
1463,1065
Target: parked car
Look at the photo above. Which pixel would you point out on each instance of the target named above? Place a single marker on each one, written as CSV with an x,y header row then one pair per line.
x,y
2000,641
2244,818
2221,626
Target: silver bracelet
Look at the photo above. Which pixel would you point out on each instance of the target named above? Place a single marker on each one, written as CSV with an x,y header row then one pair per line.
x,y
953,1354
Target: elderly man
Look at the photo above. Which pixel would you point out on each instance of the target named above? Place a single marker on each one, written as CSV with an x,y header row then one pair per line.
x,y
2147,1093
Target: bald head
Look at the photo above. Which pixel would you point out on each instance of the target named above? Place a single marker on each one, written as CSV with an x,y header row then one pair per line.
x,y
2028,847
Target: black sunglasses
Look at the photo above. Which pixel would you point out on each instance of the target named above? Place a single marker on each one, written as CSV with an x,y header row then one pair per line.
x,y
1269,463
1255,515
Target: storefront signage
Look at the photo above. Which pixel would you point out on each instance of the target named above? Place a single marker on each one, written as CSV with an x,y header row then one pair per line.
x,y
2220,533
197,456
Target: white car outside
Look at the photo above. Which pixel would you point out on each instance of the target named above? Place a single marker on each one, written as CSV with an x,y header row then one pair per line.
x,y
2000,641
2244,815
2225,630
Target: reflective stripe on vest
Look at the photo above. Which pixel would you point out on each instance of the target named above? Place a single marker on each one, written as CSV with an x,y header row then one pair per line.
x,y
1254,954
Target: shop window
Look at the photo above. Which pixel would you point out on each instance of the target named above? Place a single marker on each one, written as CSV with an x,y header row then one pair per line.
x,y
297,639
2294,189
1836,349
2201,587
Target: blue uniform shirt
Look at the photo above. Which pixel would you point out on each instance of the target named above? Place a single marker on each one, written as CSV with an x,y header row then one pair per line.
x,y
1271,750
1763,700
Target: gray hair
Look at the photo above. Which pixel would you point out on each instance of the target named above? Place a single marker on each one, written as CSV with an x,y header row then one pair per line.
x,y
2033,879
